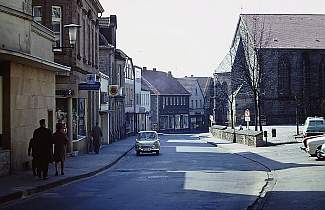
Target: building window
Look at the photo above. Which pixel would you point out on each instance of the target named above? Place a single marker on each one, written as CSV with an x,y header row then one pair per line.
x,y
37,14
57,26
284,80
201,105
196,91
192,104
1,110
322,78
84,38
196,105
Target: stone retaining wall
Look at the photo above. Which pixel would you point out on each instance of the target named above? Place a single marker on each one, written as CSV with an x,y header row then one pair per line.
x,y
4,162
247,137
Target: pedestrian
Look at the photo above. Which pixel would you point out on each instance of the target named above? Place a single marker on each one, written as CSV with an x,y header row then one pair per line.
x,y
60,142
43,145
33,151
96,134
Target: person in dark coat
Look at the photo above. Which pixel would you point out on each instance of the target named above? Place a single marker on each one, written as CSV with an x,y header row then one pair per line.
x,y
60,142
96,134
43,145
32,151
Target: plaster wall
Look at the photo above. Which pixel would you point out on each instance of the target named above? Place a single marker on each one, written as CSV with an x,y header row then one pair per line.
x,y
32,93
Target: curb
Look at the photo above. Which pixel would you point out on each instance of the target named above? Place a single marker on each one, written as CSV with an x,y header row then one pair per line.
x,y
24,193
268,186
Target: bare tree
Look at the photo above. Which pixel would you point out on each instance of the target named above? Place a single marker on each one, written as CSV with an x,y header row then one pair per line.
x,y
224,92
254,37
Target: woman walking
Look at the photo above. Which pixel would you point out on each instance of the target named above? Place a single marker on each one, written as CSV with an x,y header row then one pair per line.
x,y
60,142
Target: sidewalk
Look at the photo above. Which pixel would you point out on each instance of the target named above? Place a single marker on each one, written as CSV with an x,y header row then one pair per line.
x,y
24,183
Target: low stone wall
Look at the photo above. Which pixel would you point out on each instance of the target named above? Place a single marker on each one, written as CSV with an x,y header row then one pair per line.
x,y
4,162
247,137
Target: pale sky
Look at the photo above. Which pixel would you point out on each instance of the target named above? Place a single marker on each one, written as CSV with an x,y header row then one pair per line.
x,y
188,37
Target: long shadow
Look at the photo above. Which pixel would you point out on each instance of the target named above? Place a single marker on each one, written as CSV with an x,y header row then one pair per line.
x,y
267,163
312,200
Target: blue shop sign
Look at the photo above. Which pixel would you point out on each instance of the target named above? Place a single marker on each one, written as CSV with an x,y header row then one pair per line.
x,y
86,86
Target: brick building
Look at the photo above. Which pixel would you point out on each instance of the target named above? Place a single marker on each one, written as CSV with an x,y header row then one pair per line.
x,y
78,109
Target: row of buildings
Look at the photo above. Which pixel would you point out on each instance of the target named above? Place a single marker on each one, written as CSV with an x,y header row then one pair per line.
x,y
282,56
60,62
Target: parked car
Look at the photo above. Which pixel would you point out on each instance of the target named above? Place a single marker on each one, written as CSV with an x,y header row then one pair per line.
x,y
320,152
147,142
313,142
314,126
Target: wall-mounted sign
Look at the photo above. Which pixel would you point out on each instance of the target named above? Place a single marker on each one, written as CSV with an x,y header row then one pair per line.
x,y
113,90
86,86
67,92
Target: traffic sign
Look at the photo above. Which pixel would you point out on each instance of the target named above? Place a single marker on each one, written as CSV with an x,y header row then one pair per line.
x,y
247,115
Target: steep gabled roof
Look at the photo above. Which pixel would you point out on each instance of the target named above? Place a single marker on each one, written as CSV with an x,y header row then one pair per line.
x,y
163,84
288,31
204,83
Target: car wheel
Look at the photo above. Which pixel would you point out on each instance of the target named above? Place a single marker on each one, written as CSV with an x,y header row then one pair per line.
x,y
138,153
157,153
318,155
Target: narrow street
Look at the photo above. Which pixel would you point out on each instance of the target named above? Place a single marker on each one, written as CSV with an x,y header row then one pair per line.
x,y
188,174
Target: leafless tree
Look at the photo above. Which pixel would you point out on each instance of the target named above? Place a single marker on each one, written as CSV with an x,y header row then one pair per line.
x,y
254,37
225,92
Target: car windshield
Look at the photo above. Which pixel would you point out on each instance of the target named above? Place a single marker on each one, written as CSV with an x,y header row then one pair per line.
x,y
316,123
147,135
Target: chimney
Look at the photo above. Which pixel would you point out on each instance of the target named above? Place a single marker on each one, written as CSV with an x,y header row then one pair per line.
x,y
169,74
192,75
144,68
154,69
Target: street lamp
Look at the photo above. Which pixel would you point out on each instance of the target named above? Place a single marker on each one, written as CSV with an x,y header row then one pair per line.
x,y
72,29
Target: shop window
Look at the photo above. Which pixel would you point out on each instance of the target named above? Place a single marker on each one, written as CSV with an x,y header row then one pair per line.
x,y
163,122
185,121
81,117
177,121
57,26
171,121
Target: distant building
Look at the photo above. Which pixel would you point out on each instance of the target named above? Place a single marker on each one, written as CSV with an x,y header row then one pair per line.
x,y
27,82
113,110
169,101
206,84
196,106
292,66
145,107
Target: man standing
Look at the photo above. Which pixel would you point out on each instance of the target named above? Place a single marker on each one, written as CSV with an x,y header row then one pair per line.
x,y
96,134
43,145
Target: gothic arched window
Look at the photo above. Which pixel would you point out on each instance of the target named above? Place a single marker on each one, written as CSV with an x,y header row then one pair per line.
x,y
284,77
321,78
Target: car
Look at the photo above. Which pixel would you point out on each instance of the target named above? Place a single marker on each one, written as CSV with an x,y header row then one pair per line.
x,y
313,142
320,152
314,126
147,142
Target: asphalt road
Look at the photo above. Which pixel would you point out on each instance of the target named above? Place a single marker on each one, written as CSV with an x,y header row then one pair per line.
x,y
188,174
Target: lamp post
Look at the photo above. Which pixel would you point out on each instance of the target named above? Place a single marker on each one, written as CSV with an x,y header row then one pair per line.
x,y
72,29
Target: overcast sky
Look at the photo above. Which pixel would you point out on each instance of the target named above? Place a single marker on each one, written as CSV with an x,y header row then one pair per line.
x,y
188,37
